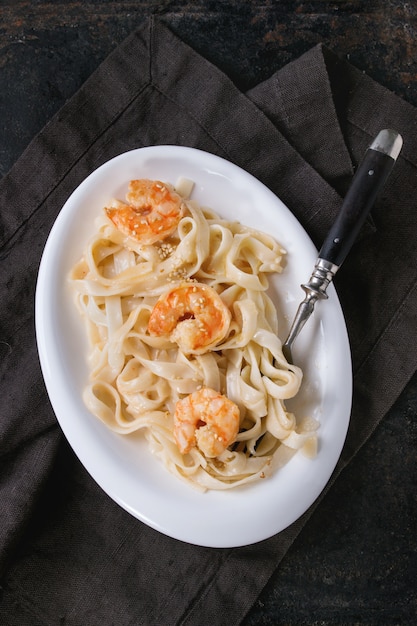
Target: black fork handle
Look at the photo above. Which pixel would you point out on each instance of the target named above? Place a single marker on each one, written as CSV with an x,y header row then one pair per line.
x,y
367,182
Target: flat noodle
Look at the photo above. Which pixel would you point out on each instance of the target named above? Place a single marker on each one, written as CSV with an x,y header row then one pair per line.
x,y
137,378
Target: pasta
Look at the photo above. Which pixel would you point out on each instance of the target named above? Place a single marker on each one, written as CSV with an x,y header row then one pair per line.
x,y
147,376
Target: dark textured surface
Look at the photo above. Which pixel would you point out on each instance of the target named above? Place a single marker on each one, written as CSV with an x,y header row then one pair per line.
x,y
355,562
48,49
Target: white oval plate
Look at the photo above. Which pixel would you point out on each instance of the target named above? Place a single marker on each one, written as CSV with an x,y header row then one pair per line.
x,y
122,465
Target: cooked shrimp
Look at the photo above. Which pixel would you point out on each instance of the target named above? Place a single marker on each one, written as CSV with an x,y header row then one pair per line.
x,y
192,315
152,214
207,420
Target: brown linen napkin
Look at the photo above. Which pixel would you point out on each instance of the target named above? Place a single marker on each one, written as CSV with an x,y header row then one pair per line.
x,y
68,553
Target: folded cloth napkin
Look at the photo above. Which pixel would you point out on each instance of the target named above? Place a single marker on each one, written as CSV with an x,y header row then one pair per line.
x,y
68,553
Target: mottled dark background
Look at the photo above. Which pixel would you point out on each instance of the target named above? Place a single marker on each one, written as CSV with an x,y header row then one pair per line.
x,y
355,562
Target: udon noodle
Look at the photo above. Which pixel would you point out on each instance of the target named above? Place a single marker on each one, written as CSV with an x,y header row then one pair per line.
x,y
137,378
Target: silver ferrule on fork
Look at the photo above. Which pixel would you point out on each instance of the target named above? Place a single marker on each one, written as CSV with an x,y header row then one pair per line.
x,y
315,289
320,279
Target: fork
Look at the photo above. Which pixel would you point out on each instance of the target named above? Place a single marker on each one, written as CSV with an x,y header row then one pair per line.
x,y
370,177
